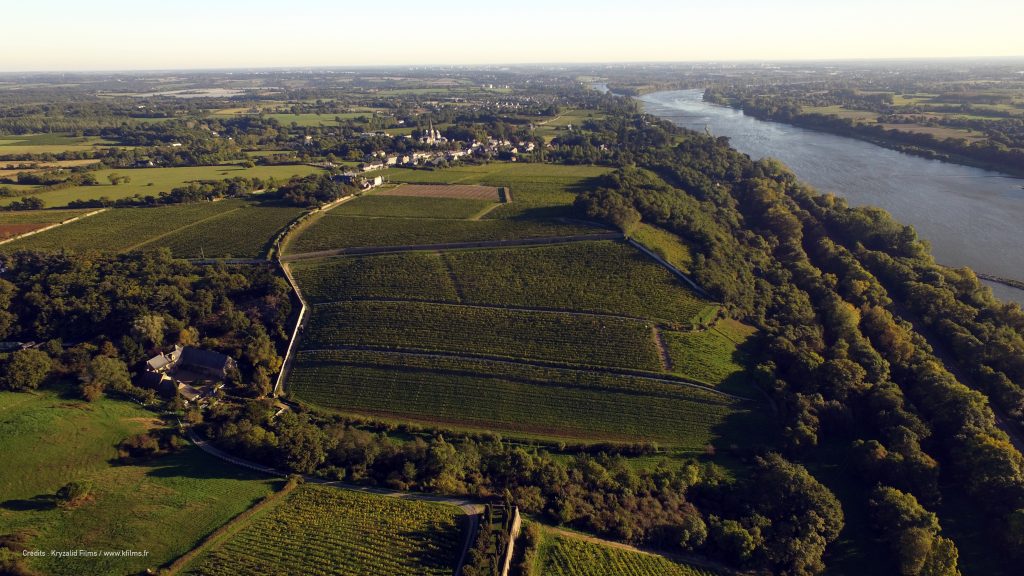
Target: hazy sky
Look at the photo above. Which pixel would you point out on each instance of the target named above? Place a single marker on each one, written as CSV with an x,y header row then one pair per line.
x,y
128,34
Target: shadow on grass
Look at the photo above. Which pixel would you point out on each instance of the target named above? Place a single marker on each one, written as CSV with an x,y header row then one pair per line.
x,y
439,549
191,462
35,503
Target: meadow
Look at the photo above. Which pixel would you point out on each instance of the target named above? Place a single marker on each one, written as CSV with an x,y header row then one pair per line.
x,y
152,181
665,244
560,555
708,356
49,144
164,505
320,530
211,229
455,329
517,399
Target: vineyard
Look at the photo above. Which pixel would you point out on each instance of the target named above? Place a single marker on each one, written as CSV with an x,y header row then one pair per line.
x,y
606,277
411,275
464,191
245,233
413,206
15,223
336,230
554,336
120,229
519,399
321,530
567,556
709,357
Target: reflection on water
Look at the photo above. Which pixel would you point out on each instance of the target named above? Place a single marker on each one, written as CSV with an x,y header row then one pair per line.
x,y
971,217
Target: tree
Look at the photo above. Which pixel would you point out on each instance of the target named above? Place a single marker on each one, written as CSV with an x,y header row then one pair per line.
x,y
150,327
74,492
26,369
913,534
104,373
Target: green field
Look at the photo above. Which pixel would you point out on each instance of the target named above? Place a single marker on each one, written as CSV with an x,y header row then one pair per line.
x,y
243,233
670,247
708,356
553,336
520,399
214,229
49,144
537,190
569,556
340,231
164,505
152,181
411,276
606,277
412,207
321,530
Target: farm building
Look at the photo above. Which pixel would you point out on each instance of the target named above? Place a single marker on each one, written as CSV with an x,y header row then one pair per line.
x,y
181,370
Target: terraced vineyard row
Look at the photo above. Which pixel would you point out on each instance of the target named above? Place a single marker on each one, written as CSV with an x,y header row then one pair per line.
x,y
321,530
413,207
566,556
244,233
121,228
337,230
605,276
555,336
509,401
411,275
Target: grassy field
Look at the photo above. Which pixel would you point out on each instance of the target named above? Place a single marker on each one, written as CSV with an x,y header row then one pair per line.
x,y
708,356
560,555
321,530
412,207
412,276
554,336
49,144
336,230
520,400
665,244
164,505
152,181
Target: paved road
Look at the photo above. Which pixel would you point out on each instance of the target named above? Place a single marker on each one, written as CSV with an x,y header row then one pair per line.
x,y
367,250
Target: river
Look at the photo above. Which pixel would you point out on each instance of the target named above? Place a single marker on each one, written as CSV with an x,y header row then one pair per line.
x,y
971,217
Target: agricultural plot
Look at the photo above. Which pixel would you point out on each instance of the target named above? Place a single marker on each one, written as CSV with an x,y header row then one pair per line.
x,y
15,223
121,229
387,206
49,144
708,356
445,328
519,399
321,530
165,505
411,275
152,181
665,244
462,191
606,277
243,233
336,230
537,190
569,556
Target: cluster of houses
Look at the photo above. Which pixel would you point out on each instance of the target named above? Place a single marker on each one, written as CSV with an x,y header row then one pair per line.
x,y
193,373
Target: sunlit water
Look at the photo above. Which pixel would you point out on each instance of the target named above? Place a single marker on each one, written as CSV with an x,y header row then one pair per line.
x,y
971,217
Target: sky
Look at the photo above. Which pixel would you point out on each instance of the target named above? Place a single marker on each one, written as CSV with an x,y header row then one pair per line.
x,y
70,35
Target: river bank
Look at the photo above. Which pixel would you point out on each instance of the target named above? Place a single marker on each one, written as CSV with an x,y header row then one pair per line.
x,y
970,216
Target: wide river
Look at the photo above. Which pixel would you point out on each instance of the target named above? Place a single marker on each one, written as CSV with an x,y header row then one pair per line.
x,y
971,217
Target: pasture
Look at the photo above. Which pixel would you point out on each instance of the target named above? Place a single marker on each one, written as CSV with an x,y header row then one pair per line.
x,y
164,505
152,181
320,530
11,145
